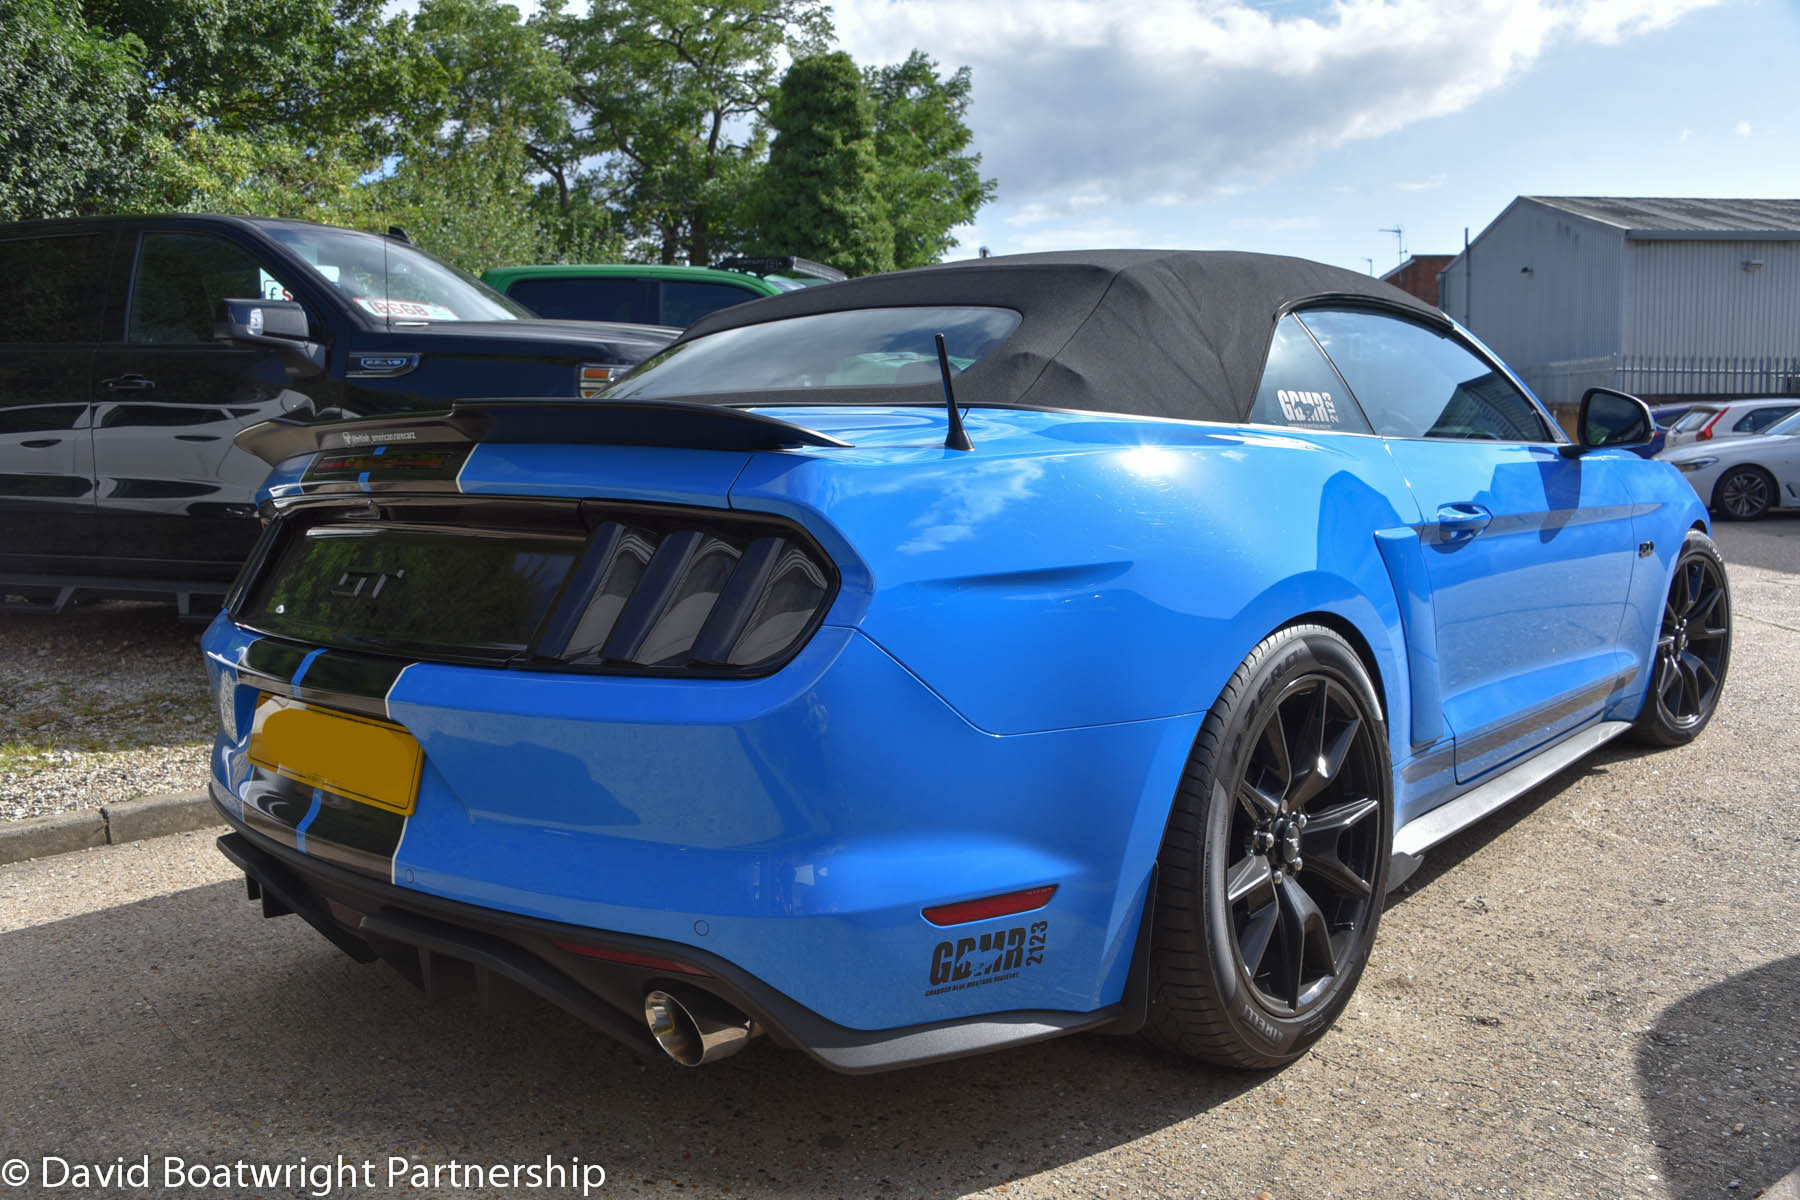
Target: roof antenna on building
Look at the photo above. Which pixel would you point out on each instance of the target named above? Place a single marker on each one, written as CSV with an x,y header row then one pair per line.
x,y
957,438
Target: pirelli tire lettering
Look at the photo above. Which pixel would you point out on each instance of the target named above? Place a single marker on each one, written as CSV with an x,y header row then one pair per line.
x,y
992,957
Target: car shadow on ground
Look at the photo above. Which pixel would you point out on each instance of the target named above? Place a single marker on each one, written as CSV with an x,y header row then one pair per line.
x,y
233,1036
1720,1073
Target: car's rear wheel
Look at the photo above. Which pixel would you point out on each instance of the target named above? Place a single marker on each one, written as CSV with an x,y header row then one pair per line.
x,y
1744,493
1274,865
1693,648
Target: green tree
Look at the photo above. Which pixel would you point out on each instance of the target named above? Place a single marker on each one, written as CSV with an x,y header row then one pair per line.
x,y
820,193
930,182
668,96
72,105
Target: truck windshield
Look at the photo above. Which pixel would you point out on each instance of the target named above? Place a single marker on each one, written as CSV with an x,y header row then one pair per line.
x,y
391,280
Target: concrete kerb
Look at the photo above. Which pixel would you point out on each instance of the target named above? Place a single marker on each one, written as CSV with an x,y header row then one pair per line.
x,y
1786,1188
108,825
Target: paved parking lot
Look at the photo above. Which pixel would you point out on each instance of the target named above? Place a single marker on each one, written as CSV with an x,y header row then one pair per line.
x,y
1594,994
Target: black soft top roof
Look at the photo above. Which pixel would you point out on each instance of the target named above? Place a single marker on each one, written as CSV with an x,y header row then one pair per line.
x,y
1161,333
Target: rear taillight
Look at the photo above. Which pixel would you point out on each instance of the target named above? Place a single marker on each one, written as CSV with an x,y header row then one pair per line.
x,y
681,594
1706,430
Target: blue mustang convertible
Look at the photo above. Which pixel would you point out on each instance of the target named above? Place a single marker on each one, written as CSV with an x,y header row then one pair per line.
x,y
947,660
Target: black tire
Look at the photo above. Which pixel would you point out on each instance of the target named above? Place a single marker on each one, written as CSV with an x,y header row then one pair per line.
x,y
1305,852
1744,494
1693,648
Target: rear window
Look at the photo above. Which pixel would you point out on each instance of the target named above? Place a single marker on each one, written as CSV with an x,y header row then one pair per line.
x,y
868,347
1696,417
602,298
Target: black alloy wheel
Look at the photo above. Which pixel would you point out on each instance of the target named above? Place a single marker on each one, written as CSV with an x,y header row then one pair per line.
x,y
1274,865
1744,494
1304,877
1693,647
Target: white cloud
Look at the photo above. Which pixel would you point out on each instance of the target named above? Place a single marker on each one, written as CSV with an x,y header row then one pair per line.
x,y
1743,129
1185,99
1423,185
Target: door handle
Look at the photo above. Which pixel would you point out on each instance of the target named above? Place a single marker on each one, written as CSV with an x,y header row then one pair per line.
x,y
129,383
41,443
1460,522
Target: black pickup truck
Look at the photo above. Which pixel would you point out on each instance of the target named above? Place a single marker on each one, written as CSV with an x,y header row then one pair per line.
x,y
133,349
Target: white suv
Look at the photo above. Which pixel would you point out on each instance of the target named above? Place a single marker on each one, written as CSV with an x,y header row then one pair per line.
x,y
1731,418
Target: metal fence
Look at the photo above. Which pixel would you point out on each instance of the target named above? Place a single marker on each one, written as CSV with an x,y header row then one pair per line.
x,y
1658,377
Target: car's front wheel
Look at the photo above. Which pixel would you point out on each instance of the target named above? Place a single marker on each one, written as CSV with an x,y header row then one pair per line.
x,y
1744,493
1693,648
1274,864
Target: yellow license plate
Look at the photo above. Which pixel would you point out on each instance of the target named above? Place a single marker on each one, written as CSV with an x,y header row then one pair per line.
x,y
371,761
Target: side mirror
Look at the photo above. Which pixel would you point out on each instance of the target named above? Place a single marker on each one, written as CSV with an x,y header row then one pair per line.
x,y
279,324
1612,419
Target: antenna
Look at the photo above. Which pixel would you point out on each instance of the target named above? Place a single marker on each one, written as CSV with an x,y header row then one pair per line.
x,y
1371,263
956,438
1399,239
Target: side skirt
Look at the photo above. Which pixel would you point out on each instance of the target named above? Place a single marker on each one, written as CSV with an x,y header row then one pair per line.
x,y
1421,833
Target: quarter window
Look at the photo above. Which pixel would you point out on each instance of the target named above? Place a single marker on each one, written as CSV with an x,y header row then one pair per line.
x,y
1299,388
55,288
182,281
572,298
1760,419
1413,382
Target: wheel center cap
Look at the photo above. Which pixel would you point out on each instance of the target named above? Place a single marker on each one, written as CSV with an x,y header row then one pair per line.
x,y
1287,842
1681,636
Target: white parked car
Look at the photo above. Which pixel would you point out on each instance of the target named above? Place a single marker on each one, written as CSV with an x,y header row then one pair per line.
x,y
1744,477
1729,419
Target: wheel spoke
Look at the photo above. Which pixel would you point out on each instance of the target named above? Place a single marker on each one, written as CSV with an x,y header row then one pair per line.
x,y
1246,877
1253,938
1337,873
1332,753
1258,802
1329,822
1706,606
1273,743
1305,936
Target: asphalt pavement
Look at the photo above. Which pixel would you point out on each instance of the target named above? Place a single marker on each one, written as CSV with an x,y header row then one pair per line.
x,y
1593,994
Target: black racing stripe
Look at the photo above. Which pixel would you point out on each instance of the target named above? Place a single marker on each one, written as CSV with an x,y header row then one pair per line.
x,y
355,835
344,831
345,674
274,806
274,658
340,679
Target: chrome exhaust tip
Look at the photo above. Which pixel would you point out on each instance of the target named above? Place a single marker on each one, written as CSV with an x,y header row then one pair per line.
x,y
695,1028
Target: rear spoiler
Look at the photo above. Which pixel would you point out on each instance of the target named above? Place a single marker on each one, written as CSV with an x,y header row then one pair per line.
x,y
552,422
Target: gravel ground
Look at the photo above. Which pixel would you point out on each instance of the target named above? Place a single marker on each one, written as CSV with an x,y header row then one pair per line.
x,y
102,704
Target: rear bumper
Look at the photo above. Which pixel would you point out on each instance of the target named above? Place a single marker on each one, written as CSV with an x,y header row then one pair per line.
x,y
794,826
448,948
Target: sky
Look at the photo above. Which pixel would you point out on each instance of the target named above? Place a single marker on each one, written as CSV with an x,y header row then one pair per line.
x,y
1296,127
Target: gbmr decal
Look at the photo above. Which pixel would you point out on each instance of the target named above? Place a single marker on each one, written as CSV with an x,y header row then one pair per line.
x,y
994,957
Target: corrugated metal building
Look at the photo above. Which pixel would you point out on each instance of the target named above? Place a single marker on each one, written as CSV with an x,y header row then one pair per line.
x,y
1663,297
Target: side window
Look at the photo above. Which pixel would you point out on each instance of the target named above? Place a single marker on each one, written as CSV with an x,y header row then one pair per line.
x,y
684,302
55,287
1413,382
1299,388
571,298
1759,419
182,281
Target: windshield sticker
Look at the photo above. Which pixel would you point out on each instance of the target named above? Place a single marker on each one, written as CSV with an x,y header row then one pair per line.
x,y
411,310
1308,408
